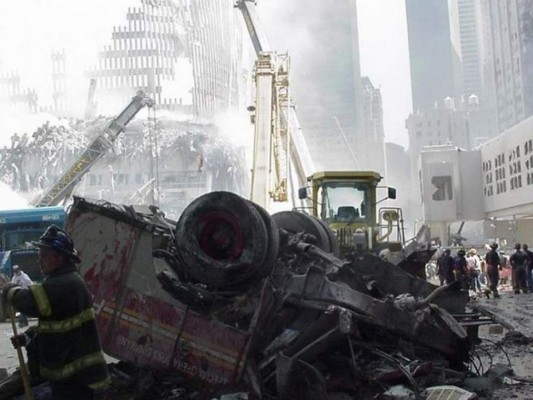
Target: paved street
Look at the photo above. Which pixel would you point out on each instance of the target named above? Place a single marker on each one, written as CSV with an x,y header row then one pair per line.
x,y
513,309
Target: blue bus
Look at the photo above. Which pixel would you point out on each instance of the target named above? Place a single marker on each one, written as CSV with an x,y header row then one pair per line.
x,y
17,229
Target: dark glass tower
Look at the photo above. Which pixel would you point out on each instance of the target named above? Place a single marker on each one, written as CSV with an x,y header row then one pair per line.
x,y
322,41
431,53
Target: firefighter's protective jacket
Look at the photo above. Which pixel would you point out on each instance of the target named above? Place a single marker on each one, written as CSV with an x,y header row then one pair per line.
x,y
67,339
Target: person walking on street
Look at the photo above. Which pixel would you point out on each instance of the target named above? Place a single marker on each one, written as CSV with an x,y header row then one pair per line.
x,y
474,269
529,267
438,270
483,277
460,269
494,266
64,349
519,260
23,280
446,267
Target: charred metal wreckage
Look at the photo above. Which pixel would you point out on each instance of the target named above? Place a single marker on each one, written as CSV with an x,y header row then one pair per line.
x,y
227,298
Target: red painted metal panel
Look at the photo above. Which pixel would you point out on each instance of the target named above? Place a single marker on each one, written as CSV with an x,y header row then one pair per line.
x,y
143,326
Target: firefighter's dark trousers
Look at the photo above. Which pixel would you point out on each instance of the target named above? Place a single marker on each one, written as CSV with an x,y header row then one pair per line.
x,y
494,279
519,279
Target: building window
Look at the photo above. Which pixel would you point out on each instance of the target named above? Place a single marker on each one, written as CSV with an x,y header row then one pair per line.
x,y
121,179
95,180
444,191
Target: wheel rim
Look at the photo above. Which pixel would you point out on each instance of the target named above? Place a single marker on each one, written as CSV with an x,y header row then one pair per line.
x,y
222,240
295,221
220,236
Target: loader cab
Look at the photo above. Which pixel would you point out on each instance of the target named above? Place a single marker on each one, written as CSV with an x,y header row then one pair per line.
x,y
347,202
341,203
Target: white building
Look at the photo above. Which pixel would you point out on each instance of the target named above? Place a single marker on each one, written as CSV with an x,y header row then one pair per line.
x,y
493,183
507,30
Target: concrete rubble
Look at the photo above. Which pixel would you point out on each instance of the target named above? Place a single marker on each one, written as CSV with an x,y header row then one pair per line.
x,y
34,161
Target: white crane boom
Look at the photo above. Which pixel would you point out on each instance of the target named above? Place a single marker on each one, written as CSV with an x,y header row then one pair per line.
x,y
280,152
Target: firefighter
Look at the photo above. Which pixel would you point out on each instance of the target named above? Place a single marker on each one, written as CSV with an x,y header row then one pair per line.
x,y
494,266
460,269
519,260
445,268
64,349
529,269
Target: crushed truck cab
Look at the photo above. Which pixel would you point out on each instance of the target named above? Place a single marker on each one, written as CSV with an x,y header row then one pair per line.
x,y
137,320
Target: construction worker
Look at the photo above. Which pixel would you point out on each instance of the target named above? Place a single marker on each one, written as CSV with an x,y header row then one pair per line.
x,y
529,267
519,260
23,280
494,266
65,344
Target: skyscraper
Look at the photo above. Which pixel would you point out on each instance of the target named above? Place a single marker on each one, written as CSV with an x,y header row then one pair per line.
x,y
489,45
508,35
466,37
322,41
433,59
183,54
374,156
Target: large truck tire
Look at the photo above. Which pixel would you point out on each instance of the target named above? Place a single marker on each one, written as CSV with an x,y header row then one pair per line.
x,y
273,240
332,237
221,240
295,221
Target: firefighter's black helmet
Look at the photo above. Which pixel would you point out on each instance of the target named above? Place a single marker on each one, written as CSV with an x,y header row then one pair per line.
x,y
56,238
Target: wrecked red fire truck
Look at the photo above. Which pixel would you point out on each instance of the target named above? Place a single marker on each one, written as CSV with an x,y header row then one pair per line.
x,y
226,296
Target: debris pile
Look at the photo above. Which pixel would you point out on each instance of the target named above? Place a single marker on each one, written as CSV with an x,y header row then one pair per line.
x,y
33,162
234,303
229,303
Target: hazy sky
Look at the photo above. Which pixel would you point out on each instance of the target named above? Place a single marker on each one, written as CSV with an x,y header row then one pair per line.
x,y
10,200
385,60
31,29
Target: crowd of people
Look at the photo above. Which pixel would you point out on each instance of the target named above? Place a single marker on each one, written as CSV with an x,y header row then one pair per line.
x,y
481,273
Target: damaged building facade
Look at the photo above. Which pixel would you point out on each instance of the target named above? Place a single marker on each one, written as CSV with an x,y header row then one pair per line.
x,y
187,57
